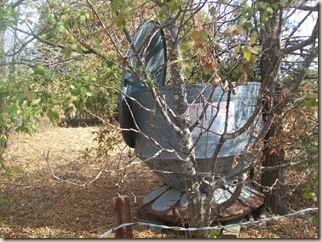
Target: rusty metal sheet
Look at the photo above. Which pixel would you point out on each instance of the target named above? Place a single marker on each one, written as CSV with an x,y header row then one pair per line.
x,y
235,210
172,204
249,196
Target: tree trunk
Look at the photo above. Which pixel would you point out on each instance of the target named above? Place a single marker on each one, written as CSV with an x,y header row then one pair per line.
x,y
192,184
2,53
273,156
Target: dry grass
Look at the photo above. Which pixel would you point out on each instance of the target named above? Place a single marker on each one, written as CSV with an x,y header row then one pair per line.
x,y
33,204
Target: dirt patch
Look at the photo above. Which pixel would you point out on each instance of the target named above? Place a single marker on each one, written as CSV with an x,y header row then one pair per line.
x,y
50,191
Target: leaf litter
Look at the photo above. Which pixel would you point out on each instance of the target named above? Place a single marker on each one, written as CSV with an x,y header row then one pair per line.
x,y
35,204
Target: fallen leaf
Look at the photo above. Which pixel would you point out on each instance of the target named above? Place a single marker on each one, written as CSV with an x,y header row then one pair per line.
x,y
242,79
29,96
209,67
231,28
225,85
216,80
234,91
235,162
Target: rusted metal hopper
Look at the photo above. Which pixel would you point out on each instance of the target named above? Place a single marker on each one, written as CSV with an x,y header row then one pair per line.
x,y
152,126
157,144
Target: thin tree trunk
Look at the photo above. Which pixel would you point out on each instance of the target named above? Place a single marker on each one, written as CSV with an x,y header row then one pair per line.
x,y
192,185
2,53
269,66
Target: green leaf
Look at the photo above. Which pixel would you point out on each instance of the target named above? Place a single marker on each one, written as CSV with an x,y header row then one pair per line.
x,y
162,13
40,70
63,18
173,5
214,233
253,38
187,69
212,11
115,5
82,19
88,93
202,35
247,53
68,94
237,50
240,30
35,102
275,5
83,92
269,10
96,44
312,101
315,219
150,82
67,51
256,49
201,52
78,49
87,78
53,115
120,20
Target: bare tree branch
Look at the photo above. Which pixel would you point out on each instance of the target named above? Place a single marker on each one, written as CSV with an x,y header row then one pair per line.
x,y
304,43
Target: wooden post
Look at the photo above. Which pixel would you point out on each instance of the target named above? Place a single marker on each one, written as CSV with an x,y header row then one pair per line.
x,y
122,214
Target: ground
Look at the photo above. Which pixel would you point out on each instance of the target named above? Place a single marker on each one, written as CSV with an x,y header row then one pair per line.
x,y
50,189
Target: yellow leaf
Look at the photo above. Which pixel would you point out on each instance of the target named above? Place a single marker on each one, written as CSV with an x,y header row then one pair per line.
x,y
237,50
63,18
253,38
201,52
247,53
